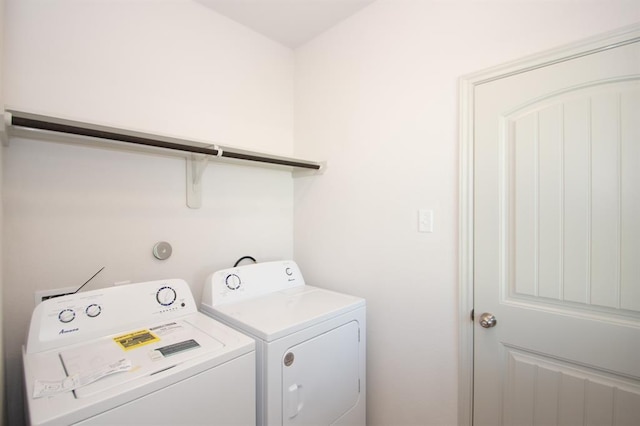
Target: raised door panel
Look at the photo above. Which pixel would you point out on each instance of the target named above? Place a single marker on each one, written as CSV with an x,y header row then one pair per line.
x,y
574,189
548,392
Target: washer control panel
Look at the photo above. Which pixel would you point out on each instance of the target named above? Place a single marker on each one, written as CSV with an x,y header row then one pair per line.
x,y
245,282
86,315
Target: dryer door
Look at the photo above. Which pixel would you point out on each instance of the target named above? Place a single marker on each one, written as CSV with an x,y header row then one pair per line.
x,y
320,377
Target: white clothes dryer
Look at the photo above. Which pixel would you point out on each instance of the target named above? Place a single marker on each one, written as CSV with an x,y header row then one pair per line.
x,y
310,343
136,354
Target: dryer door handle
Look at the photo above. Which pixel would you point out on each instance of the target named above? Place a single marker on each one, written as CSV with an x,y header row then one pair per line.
x,y
296,401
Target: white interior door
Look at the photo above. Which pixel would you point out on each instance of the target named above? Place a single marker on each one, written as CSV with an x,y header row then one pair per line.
x,y
557,242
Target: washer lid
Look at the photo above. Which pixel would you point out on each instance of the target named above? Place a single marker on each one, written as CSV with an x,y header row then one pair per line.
x,y
160,354
149,350
279,314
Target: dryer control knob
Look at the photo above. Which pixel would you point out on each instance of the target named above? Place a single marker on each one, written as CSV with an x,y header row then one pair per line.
x,y
66,315
232,281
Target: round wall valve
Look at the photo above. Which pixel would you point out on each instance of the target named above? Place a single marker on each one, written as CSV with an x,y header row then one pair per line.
x,y
162,250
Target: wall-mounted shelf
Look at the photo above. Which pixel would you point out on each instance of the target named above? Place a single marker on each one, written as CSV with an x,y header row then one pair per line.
x,y
197,153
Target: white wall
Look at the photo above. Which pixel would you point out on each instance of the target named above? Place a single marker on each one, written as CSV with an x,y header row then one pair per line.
x,y
377,97
169,67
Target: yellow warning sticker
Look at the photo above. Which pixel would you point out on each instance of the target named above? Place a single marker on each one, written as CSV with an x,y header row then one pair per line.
x,y
136,339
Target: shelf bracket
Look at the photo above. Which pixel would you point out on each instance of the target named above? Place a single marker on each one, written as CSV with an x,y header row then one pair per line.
x,y
196,165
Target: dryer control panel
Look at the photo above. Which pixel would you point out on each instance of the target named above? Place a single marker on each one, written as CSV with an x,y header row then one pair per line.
x,y
78,317
246,282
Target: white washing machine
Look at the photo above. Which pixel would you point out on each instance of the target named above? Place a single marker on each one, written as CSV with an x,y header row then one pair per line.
x,y
136,354
310,343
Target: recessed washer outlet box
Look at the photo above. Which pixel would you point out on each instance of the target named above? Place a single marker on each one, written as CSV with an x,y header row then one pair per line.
x,y
41,295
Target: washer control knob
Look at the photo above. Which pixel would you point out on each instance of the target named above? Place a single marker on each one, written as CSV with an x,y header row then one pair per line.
x,y
93,310
166,296
233,282
66,315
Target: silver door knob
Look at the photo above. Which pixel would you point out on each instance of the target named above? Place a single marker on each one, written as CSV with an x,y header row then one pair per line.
x,y
488,320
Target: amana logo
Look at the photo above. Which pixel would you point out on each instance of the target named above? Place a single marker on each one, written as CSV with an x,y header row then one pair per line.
x,y
63,331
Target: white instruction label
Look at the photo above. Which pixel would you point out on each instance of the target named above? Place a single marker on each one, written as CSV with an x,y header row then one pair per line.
x,y
42,388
